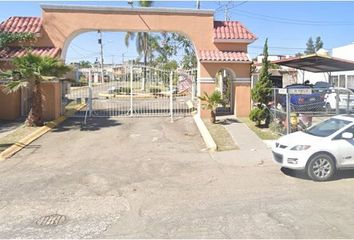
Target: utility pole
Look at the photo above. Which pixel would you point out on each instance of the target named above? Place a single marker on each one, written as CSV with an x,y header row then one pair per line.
x,y
198,4
101,53
227,6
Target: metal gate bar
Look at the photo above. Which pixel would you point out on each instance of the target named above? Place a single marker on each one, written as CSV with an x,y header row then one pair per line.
x,y
137,92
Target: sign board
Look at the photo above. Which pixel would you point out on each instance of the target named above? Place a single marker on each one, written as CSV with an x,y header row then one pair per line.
x,y
300,91
282,91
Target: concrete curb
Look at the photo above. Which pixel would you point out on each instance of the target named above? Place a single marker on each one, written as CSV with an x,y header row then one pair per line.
x,y
208,139
10,151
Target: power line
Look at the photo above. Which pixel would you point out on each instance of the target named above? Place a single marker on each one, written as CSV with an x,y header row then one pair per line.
x,y
278,47
288,20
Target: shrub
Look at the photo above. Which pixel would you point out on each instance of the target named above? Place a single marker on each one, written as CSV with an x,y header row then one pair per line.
x,y
125,90
155,90
259,114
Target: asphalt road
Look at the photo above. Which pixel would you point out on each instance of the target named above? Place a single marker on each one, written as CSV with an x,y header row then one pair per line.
x,y
149,178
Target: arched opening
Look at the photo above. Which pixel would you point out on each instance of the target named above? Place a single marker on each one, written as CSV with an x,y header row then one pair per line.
x,y
133,73
223,80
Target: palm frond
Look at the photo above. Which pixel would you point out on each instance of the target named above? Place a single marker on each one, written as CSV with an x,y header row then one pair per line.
x,y
13,86
129,36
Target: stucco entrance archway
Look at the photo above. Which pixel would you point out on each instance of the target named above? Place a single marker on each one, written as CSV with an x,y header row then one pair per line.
x,y
218,44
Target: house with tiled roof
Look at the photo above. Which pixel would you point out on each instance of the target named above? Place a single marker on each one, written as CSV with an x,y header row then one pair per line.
x,y
31,25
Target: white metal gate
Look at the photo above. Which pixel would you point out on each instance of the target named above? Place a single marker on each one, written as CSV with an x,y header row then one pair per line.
x,y
132,91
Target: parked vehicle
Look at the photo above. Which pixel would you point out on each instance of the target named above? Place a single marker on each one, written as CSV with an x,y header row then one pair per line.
x,y
322,85
345,99
303,102
320,150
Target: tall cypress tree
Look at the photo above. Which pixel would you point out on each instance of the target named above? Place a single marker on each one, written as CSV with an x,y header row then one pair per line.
x,y
318,44
310,47
261,92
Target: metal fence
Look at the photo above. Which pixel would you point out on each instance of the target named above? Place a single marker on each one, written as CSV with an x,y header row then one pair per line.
x,y
135,91
298,108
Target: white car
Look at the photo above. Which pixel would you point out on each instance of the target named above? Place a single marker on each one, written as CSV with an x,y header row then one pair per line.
x,y
321,150
344,95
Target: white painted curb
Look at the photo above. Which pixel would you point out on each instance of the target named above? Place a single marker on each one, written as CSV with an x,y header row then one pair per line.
x,y
209,141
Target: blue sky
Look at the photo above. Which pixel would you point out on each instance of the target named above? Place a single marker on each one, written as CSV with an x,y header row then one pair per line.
x,y
287,25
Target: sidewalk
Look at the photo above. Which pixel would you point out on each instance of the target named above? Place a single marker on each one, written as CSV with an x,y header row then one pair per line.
x,y
253,151
7,127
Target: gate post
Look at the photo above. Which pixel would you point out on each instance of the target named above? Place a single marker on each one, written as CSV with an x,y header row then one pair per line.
x,y
131,90
171,96
193,87
90,93
288,113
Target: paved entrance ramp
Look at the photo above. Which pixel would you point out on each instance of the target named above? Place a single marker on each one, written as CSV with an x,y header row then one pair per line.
x,y
253,151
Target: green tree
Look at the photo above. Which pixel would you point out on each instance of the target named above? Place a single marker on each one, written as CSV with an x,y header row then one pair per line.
x,y
261,92
310,47
30,71
189,59
318,44
7,38
142,39
84,64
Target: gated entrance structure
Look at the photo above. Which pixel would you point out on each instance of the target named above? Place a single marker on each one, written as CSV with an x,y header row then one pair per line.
x,y
138,91
218,44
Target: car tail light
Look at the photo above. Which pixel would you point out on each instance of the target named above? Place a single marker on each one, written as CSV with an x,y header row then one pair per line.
x,y
301,101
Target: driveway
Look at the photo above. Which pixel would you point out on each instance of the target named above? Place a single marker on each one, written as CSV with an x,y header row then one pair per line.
x,y
149,178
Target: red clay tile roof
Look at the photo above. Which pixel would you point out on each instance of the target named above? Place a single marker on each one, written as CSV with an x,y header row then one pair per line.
x,y
223,56
21,25
19,52
232,30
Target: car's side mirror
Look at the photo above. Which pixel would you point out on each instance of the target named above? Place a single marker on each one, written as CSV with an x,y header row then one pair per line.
x,y
347,135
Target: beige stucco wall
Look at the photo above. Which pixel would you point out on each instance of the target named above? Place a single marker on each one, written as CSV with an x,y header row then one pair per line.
x,y
10,105
60,27
209,70
63,26
242,99
51,100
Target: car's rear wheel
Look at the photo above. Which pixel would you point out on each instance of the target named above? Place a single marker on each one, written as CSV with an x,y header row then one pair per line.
x,y
321,167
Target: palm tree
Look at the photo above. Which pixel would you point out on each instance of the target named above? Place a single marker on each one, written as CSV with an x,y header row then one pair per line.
x,y
30,71
211,102
142,40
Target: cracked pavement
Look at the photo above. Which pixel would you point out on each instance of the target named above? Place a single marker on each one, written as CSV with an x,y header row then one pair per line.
x,y
149,178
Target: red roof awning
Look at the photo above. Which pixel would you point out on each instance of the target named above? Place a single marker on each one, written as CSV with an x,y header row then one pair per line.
x,y
232,30
223,56
8,53
22,25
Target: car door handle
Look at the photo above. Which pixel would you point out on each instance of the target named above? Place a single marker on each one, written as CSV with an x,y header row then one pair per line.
x,y
348,157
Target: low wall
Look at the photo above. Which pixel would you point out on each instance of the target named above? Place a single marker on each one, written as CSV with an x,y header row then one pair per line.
x,y
51,100
10,105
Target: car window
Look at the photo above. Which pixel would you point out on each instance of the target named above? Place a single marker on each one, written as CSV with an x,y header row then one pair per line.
x,y
349,129
343,91
298,86
327,127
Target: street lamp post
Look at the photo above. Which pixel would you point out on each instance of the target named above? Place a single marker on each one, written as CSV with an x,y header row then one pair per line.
x,y
101,53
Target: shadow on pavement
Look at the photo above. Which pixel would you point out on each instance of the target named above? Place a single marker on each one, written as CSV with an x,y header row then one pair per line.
x,y
341,174
227,121
92,124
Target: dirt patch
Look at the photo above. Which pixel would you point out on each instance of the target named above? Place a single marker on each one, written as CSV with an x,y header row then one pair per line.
x,y
221,136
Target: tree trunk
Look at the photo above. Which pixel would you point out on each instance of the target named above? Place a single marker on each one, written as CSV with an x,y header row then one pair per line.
x,y
35,117
212,116
145,60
